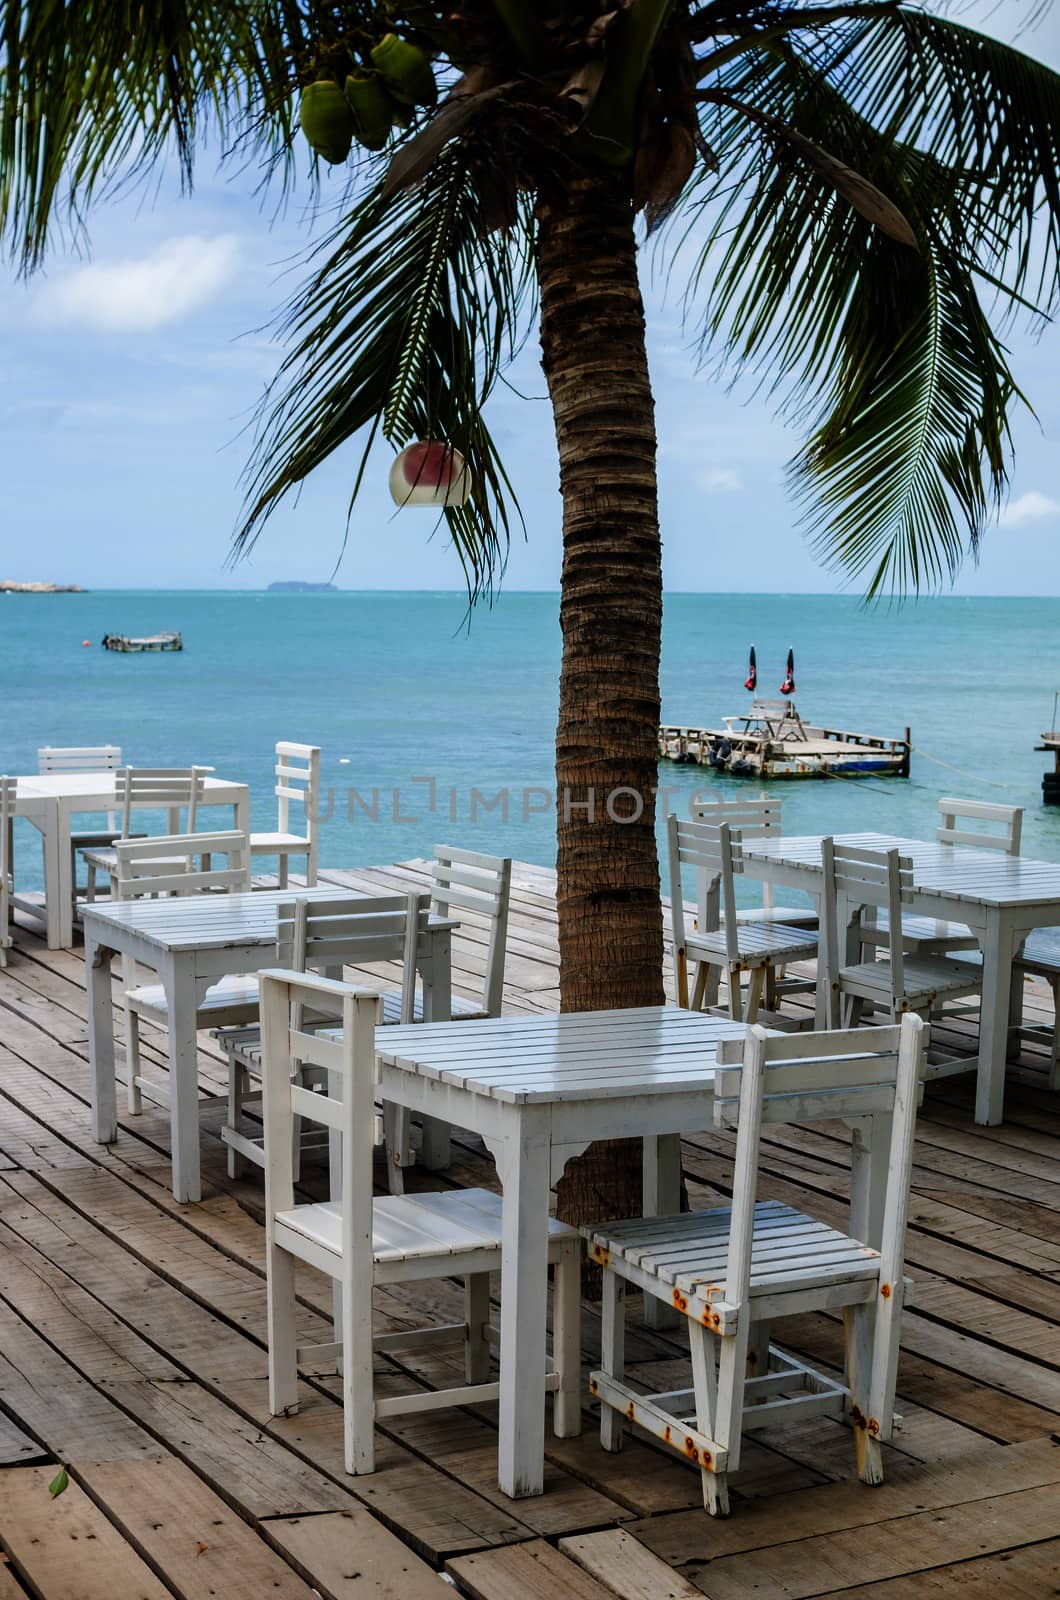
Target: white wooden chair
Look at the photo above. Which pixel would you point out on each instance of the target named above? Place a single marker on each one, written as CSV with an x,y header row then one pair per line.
x,y
175,790
297,785
175,865
360,1242
927,935
755,819
1040,958
84,758
721,943
8,787
896,982
464,881
323,936
734,1269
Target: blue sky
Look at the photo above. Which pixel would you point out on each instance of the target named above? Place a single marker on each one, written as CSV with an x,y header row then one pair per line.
x,y
132,372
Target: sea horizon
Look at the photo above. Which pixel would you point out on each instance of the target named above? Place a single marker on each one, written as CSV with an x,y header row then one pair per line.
x,y
436,727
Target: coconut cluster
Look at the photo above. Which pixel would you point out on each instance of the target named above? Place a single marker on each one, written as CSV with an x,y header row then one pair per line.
x,y
371,101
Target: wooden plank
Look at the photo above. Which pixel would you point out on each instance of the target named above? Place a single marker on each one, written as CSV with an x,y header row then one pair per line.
x,y
16,1447
627,1568
524,1572
348,1555
687,1539
1025,1574
187,1533
882,1550
10,1588
66,1549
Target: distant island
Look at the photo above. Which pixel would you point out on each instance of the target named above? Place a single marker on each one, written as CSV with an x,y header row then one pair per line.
x,y
9,586
298,587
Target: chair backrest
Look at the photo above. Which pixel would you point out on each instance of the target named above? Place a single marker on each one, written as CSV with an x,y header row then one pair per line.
x,y
954,813
78,758
8,790
865,878
351,1057
713,850
173,864
757,818
466,881
355,930
811,1077
298,785
172,789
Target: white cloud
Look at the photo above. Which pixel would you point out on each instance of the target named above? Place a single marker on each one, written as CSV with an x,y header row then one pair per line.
x,y
719,480
144,293
1030,507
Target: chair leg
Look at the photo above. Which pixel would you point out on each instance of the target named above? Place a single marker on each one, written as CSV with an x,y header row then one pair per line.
x,y
134,1098
701,986
758,1351
237,1088
754,993
1054,1043
705,1382
612,1354
398,1149
90,886
477,1316
735,995
358,1382
283,1338
567,1341
284,871
858,1331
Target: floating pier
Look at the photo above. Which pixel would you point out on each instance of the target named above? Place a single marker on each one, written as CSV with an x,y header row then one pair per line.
x,y
154,641
771,741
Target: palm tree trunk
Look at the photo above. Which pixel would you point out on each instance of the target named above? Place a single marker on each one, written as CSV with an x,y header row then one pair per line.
x,y
595,362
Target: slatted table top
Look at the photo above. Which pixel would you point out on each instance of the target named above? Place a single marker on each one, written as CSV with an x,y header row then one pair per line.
x,y
208,922
96,789
982,877
583,1055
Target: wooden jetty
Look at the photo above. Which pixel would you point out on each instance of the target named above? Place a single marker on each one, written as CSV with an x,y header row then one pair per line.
x,y
153,641
771,741
132,1347
1051,744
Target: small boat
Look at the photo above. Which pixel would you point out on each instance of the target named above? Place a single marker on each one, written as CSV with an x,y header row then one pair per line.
x,y
772,741
154,641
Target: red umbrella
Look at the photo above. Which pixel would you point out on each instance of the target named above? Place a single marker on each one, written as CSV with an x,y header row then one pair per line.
x,y
788,686
752,674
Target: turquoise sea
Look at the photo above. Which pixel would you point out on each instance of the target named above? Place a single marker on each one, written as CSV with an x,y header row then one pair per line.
x,y
397,689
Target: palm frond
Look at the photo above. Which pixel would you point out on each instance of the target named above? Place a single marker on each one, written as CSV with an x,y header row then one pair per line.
x,y
888,359
96,91
403,330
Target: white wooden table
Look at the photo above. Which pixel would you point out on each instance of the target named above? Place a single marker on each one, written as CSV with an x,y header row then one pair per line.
x,y
51,800
539,1090
190,943
1000,897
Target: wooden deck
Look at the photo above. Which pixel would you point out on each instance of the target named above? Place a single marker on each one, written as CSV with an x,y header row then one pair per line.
x,y
132,1347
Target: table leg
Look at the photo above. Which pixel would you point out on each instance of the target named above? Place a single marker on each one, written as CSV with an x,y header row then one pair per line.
x,y
64,869
661,1189
998,950
524,1301
101,1043
437,1007
181,1001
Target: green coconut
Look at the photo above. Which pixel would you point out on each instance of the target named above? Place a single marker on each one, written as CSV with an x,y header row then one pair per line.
x,y
406,71
327,120
373,109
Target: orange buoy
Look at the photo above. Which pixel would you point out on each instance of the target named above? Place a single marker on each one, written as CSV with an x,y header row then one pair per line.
x,y
85,642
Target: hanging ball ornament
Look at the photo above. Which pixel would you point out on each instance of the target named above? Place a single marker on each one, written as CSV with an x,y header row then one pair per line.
x,y
429,473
